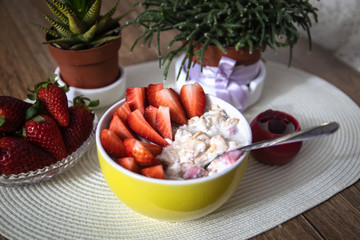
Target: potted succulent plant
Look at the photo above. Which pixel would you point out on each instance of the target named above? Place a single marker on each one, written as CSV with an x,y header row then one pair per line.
x,y
84,43
222,41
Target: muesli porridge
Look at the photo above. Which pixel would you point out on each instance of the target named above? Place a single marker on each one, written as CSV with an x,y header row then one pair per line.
x,y
201,140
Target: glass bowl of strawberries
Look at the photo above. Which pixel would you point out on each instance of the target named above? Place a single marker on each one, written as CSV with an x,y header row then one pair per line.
x,y
133,141
42,138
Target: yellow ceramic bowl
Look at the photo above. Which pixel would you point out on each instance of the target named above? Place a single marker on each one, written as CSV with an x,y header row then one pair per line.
x,y
173,200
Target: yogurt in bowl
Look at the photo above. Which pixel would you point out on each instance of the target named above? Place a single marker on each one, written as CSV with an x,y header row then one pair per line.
x,y
199,141
174,200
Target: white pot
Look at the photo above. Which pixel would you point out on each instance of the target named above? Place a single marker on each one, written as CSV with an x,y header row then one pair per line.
x,y
251,92
106,95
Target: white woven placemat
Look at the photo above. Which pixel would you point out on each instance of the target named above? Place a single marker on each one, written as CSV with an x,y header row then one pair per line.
x,y
79,205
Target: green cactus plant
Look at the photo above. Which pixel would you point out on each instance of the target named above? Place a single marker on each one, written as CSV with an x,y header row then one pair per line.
x,y
251,23
77,24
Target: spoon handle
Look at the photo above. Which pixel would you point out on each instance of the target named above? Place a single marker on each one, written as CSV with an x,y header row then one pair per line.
x,y
318,131
321,130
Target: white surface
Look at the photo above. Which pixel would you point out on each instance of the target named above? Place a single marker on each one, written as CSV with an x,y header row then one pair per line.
x,y
79,205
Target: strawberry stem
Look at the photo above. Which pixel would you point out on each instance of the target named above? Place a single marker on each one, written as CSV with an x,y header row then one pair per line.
x,y
44,84
2,120
81,100
39,119
34,110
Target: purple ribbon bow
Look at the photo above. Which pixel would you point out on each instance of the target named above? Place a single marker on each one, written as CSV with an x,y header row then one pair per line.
x,y
228,80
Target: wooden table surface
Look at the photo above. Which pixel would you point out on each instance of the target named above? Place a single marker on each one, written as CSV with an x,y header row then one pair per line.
x,y
25,61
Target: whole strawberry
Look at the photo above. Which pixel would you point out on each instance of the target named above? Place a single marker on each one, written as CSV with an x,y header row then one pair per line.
x,y
12,113
80,125
20,156
53,100
43,131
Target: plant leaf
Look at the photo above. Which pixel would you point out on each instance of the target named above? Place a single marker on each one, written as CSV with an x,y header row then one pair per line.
x,y
87,36
103,40
57,12
47,30
93,13
62,29
76,26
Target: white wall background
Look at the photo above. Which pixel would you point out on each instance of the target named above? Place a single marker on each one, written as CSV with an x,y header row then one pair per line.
x,y
338,29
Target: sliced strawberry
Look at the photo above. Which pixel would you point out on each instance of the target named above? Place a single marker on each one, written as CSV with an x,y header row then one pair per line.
x,y
193,99
154,172
193,172
112,143
150,93
123,111
231,157
143,156
136,98
168,97
153,148
121,128
163,122
129,163
150,115
129,145
140,126
130,142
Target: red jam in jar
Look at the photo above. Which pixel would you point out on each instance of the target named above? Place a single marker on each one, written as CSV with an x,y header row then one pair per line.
x,y
271,124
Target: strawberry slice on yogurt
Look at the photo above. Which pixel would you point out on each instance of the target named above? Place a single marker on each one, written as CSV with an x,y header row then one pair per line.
x,y
193,172
224,161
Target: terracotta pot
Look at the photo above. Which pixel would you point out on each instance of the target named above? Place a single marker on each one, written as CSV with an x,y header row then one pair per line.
x,y
242,56
88,68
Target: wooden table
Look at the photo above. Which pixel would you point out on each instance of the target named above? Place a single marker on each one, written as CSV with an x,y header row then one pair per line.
x,y
25,61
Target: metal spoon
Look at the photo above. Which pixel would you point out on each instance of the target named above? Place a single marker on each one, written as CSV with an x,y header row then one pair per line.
x,y
321,130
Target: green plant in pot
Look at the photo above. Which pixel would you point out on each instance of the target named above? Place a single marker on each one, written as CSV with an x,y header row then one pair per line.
x,y
222,41
84,43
